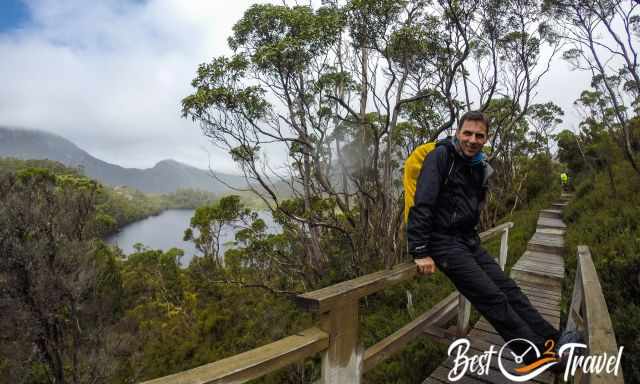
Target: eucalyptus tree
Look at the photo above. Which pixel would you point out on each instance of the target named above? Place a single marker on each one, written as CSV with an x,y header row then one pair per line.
x,y
211,220
604,34
427,57
291,81
269,92
516,34
597,133
350,88
543,118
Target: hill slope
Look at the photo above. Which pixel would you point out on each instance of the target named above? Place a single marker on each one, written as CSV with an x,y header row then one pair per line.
x,y
165,177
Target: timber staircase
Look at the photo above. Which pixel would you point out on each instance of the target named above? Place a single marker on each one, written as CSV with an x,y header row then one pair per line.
x,y
539,273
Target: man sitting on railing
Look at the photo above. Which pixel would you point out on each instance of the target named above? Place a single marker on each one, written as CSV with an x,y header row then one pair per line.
x,y
441,231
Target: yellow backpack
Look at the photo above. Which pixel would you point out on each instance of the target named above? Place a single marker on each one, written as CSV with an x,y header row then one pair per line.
x,y
412,167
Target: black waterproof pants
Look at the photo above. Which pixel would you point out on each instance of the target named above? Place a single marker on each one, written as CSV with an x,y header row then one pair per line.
x,y
496,296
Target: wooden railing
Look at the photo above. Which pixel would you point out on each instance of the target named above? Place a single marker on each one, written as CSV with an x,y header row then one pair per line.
x,y
337,334
589,315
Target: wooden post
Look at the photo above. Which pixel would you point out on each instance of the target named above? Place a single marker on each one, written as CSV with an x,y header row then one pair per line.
x,y
504,247
342,361
464,313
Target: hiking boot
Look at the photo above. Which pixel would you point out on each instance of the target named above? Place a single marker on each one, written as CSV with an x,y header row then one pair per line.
x,y
570,336
567,336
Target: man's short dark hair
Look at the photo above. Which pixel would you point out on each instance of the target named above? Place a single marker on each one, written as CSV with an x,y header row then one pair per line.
x,y
474,116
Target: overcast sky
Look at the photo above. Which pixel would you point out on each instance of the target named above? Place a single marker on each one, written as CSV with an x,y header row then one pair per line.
x,y
109,75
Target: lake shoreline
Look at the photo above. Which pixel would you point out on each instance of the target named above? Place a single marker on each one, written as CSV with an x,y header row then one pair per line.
x,y
166,230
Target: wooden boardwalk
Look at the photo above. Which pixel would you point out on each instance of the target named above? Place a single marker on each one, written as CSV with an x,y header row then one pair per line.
x,y
539,273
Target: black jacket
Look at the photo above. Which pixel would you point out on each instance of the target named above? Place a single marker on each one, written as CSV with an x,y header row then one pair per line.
x,y
449,195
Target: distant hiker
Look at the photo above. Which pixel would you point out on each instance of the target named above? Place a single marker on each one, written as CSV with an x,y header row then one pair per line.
x,y
441,231
564,181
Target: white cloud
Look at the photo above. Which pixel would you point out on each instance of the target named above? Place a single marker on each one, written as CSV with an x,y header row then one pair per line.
x,y
109,76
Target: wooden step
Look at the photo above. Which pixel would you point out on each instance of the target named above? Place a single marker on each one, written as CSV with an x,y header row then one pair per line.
x,y
551,231
545,247
540,266
551,213
543,257
546,244
547,300
559,205
551,293
550,283
556,273
545,222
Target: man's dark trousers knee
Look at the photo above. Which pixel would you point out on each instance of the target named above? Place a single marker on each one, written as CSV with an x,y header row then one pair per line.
x,y
495,295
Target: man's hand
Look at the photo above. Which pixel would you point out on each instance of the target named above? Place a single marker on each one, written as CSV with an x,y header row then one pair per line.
x,y
426,266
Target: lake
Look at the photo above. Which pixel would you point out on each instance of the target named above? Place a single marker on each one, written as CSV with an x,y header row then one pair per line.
x,y
166,230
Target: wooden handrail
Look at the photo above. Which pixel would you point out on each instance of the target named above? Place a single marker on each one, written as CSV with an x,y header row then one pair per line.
x,y
254,363
322,300
588,313
489,233
343,359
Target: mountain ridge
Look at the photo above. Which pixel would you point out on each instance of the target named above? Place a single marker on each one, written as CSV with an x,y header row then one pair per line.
x,y
166,176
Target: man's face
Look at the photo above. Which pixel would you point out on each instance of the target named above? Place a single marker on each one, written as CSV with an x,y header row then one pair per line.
x,y
472,136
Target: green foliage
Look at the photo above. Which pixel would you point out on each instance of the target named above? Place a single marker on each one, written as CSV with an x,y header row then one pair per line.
x,y
569,151
544,118
209,222
426,117
185,317
188,198
12,165
218,86
387,311
117,206
281,37
58,291
369,20
506,128
609,224
598,144
542,177
166,318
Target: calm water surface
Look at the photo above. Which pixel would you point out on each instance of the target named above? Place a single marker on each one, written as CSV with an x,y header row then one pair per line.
x,y
166,231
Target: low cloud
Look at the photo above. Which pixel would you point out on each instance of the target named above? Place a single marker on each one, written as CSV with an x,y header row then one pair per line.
x,y
109,76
